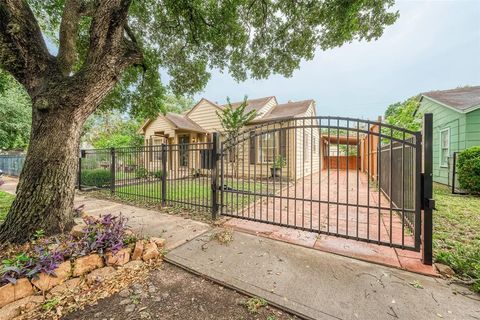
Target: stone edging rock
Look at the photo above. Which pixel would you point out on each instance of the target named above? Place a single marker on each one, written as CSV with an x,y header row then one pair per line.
x,y
93,268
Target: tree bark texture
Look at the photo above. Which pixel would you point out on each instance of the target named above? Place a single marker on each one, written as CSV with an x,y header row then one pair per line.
x,y
46,189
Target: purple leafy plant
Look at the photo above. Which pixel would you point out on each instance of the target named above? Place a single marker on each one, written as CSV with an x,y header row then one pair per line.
x,y
29,266
15,268
102,235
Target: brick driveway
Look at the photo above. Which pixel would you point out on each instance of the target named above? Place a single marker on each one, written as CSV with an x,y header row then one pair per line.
x,y
338,212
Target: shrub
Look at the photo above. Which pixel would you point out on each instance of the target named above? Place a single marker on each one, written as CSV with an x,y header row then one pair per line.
x,y
96,177
141,173
158,174
469,169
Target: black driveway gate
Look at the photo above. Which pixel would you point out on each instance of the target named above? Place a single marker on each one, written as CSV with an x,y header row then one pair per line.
x,y
345,177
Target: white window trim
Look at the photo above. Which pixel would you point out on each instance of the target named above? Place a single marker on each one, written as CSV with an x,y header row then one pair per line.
x,y
441,147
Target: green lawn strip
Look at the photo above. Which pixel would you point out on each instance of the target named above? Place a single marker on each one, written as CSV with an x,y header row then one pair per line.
x,y
6,200
193,191
456,237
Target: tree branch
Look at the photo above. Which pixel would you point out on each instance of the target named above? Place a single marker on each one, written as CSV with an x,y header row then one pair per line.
x,y
23,51
67,52
113,48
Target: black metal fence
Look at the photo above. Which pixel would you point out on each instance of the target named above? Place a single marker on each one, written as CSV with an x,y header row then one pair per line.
x,y
399,158
174,174
453,175
12,164
346,177
350,178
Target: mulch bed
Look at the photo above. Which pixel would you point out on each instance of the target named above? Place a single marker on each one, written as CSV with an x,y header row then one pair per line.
x,y
172,293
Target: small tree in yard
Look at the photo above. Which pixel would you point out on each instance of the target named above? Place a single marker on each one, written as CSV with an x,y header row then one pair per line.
x,y
469,170
233,120
109,56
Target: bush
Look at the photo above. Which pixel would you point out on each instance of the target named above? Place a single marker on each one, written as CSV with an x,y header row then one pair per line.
x,y
96,177
141,173
158,174
469,170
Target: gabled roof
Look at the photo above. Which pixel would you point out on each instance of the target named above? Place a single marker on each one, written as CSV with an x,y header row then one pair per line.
x,y
199,102
177,121
286,110
461,100
277,112
182,122
252,104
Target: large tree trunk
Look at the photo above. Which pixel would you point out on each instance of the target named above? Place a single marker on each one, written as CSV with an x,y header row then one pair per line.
x,y
62,101
47,183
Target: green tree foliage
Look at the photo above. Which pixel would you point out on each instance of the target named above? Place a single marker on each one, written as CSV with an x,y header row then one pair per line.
x,y
109,57
252,39
111,128
469,169
402,114
177,104
234,119
15,114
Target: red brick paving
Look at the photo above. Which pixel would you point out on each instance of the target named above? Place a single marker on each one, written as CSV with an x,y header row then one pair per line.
x,y
338,219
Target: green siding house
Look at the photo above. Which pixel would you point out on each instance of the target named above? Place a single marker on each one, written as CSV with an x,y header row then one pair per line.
x,y
456,126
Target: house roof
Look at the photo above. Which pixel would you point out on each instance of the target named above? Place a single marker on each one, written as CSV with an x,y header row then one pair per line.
x,y
461,99
277,112
183,123
178,121
252,104
286,110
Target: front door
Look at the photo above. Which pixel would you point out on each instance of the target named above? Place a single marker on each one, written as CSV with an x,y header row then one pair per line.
x,y
183,141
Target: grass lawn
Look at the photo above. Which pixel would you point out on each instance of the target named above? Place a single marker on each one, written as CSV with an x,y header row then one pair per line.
x,y
6,200
456,237
196,191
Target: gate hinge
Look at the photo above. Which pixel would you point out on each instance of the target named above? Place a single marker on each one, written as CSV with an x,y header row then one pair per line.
x,y
429,203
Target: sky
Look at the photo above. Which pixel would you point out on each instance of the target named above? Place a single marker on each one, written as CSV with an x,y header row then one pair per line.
x,y
434,45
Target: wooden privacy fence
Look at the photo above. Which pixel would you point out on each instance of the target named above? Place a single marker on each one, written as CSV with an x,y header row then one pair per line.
x,y
342,162
12,164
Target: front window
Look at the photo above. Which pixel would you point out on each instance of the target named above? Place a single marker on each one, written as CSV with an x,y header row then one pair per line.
x,y
155,149
183,150
267,147
444,147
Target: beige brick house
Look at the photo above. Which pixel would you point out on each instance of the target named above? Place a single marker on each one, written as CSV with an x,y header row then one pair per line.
x,y
284,136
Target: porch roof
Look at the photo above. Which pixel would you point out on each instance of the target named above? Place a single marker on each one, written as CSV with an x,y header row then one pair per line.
x,y
183,123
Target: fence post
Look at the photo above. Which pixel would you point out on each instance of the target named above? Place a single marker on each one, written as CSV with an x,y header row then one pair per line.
x,y
164,174
214,165
112,170
80,170
428,202
454,166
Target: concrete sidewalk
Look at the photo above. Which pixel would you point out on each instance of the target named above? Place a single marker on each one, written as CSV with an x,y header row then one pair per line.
x,y
321,285
310,283
10,184
175,229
